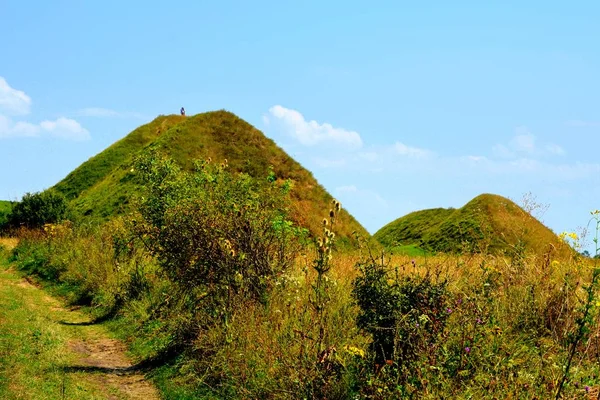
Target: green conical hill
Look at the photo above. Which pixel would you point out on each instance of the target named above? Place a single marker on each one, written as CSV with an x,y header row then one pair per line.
x,y
489,223
104,185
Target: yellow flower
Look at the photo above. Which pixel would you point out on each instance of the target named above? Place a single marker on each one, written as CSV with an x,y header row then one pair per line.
x,y
573,235
355,351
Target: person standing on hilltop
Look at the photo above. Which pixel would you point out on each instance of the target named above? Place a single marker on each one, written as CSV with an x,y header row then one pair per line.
x,y
183,111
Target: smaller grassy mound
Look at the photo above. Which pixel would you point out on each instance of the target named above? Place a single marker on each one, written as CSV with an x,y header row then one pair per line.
x,y
489,224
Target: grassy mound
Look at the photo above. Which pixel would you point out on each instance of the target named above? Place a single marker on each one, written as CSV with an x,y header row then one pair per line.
x,y
489,223
104,186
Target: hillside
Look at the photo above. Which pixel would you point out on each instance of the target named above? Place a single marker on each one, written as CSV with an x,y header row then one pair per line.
x,y
488,223
104,185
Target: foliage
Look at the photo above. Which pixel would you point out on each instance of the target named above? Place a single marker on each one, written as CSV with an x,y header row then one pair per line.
x,y
221,239
406,318
5,209
37,209
465,326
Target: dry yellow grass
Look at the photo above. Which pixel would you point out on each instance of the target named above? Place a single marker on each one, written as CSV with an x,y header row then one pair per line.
x,y
8,242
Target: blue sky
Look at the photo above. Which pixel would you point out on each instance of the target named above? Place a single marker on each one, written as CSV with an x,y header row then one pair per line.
x,y
394,106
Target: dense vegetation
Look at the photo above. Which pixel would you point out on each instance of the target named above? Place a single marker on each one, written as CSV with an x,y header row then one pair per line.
x,y
488,223
209,273
105,185
5,209
37,209
218,290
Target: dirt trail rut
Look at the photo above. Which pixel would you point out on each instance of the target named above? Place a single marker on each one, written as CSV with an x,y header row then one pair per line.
x,y
101,359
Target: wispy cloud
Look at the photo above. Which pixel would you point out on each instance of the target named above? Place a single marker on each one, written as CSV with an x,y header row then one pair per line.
x,y
525,144
63,128
409,151
16,102
310,133
12,101
99,112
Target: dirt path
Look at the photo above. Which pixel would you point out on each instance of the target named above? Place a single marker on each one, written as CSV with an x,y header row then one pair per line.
x,y
48,351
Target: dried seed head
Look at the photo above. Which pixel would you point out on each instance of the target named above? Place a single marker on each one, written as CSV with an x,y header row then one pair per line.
x,y
324,221
209,160
232,253
333,201
338,206
331,213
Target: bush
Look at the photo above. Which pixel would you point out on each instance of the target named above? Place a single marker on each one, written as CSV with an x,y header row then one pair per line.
x,y
405,316
222,239
37,209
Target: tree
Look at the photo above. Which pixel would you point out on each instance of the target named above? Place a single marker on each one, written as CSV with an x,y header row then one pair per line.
x,y
37,209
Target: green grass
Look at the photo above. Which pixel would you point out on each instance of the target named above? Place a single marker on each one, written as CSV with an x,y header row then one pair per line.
x,y
105,185
32,345
488,223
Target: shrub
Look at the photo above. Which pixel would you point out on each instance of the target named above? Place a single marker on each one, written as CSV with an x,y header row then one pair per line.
x,y
405,316
37,209
222,239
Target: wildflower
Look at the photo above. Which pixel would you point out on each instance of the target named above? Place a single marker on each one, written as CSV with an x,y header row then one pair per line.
x,y
587,389
479,321
467,349
449,310
573,235
354,351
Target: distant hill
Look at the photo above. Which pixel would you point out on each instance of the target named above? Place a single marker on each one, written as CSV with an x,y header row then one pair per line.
x,y
103,186
489,223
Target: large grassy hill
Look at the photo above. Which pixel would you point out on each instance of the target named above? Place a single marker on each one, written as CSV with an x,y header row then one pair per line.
x,y
488,223
104,185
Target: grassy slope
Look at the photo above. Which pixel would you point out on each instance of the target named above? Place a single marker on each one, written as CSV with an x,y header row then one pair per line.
x,y
487,223
32,350
104,185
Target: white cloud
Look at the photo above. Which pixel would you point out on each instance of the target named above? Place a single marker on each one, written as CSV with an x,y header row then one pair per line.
x,y
100,112
63,128
524,143
404,150
310,133
554,149
474,159
12,101
16,102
